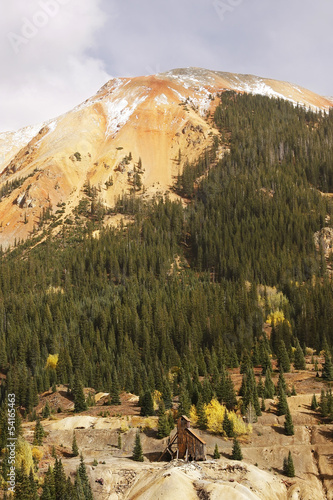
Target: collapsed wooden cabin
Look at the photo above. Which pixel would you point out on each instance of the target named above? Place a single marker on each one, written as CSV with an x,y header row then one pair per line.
x,y
185,444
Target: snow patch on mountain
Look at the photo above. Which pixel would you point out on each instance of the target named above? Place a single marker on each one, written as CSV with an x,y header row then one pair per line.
x,y
161,99
119,111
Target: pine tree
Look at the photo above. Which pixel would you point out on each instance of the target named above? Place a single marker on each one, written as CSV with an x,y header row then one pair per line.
x,y
59,479
229,399
228,426
33,495
314,404
288,466
75,448
137,450
147,405
299,362
281,382
167,394
82,474
202,418
288,424
46,410
283,358
260,388
249,392
216,455
269,386
163,429
46,494
38,434
184,402
236,451
114,393
327,372
79,398
282,406
49,486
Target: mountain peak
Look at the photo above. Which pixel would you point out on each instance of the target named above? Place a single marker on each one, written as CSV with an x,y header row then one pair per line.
x,y
151,120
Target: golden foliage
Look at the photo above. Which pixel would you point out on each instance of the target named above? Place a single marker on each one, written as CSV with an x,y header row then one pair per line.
x,y
37,454
271,299
123,427
193,415
240,427
157,397
24,455
52,361
215,414
149,423
276,317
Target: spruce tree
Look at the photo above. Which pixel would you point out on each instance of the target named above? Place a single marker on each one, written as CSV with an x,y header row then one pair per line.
x,y
59,479
114,393
46,410
49,485
82,474
78,488
249,392
163,429
227,425
217,454
167,394
171,421
281,382
299,362
202,418
288,424
327,372
282,406
236,451
79,398
38,434
282,357
269,385
137,450
147,405
288,466
75,448
260,388
46,494
314,404
184,402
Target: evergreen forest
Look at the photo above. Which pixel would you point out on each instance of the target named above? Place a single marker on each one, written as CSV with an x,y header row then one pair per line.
x,y
183,290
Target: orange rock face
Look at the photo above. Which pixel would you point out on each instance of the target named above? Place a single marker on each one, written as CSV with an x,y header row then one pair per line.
x,y
158,119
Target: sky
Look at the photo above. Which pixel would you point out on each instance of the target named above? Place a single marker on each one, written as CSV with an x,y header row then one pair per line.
x,y
54,54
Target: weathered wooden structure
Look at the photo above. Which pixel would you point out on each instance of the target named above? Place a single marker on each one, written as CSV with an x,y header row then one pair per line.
x,y
185,444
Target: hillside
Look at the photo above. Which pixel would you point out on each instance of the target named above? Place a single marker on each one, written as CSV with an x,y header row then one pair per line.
x,y
214,302
150,125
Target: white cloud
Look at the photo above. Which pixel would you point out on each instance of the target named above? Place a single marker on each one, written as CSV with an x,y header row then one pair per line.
x,y
45,57
85,41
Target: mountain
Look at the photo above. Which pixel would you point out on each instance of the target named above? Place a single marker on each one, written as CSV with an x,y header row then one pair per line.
x,y
151,124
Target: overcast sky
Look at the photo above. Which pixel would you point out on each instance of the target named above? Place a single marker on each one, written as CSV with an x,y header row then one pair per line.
x,y
56,53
